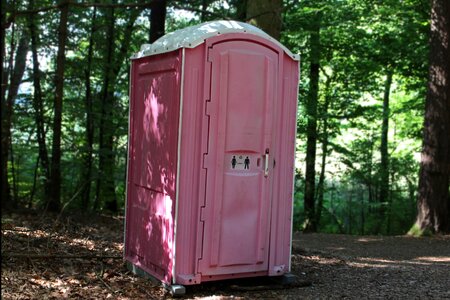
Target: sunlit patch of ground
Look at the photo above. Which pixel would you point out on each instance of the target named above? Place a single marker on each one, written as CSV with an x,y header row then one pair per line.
x,y
369,239
442,259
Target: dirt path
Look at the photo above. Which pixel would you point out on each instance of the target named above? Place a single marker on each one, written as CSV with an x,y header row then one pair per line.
x,y
343,266
326,266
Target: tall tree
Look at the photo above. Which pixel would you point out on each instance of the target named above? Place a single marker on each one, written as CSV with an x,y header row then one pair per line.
x,y
88,159
311,129
157,19
433,202
266,15
16,75
324,140
384,164
4,142
38,102
54,202
105,190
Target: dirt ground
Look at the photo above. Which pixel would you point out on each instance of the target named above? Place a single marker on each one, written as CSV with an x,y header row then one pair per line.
x,y
79,257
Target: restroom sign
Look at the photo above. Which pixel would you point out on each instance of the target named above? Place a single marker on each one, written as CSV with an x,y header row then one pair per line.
x,y
240,162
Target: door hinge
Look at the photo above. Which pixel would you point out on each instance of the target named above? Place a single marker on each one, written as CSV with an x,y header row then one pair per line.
x,y
205,164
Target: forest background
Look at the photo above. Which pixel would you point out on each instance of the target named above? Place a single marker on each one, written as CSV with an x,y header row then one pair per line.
x,y
364,77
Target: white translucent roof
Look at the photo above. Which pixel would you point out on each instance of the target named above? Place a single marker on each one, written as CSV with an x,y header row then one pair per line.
x,y
191,37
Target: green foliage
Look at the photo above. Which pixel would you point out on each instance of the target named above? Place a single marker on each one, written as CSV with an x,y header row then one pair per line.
x,y
359,40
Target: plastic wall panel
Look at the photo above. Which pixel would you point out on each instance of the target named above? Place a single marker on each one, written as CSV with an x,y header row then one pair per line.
x,y
191,166
281,217
154,115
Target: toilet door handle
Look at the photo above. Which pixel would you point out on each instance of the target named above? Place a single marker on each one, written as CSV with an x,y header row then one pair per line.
x,y
266,163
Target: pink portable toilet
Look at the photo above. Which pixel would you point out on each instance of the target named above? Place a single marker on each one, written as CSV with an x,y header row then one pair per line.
x,y
212,131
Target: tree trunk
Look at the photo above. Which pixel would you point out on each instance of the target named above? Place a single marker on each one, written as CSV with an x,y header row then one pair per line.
x,y
5,131
311,130
203,13
87,172
54,202
18,71
321,183
361,197
266,14
349,210
370,187
433,203
390,207
412,196
384,165
33,189
14,175
5,113
13,89
2,43
38,104
106,185
105,191
241,10
157,19
4,142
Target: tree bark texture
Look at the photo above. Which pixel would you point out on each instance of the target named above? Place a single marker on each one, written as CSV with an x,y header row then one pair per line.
x,y
55,169
105,189
384,165
157,19
38,104
6,189
3,157
383,179
14,174
87,172
369,182
105,192
321,183
311,129
266,14
433,203
18,71
13,89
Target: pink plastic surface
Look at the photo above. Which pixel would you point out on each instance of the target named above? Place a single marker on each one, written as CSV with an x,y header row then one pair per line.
x,y
236,215
237,102
154,111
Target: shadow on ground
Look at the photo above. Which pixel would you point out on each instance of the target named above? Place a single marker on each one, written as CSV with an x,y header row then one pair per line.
x,y
46,256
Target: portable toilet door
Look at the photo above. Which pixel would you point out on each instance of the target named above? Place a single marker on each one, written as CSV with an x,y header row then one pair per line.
x,y
211,155
241,141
